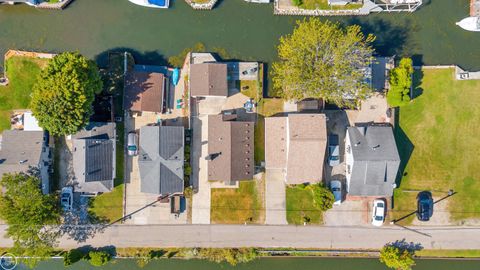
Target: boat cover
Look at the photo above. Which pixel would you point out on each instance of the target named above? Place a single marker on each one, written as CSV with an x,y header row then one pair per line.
x,y
160,3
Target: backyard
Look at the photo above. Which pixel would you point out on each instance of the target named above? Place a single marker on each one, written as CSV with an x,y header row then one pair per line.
x,y
22,73
437,136
238,205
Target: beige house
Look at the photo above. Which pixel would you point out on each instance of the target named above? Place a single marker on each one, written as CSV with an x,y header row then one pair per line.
x,y
296,144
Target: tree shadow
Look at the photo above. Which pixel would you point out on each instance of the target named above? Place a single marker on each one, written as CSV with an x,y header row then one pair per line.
x,y
404,245
144,58
390,39
416,83
405,147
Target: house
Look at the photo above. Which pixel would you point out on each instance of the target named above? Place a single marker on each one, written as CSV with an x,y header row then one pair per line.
x,y
93,151
145,91
296,144
230,149
22,150
372,160
208,80
161,159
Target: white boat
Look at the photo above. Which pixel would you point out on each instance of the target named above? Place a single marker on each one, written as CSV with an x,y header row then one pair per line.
x,y
152,3
470,24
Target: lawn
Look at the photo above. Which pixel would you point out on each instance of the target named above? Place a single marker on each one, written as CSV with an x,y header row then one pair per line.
x,y
323,4
437,136
266,107
238,205
22,73
108,207
301,206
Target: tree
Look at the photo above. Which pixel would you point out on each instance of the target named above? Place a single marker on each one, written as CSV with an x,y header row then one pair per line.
x,y
322,60
28,213
323,197
396,257
400,83
72,256
63,96
99,258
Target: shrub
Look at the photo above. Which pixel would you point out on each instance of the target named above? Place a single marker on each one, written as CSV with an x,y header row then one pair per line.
x,y
72,256
396,258
400,83
297,2
323,196
233,256
99,258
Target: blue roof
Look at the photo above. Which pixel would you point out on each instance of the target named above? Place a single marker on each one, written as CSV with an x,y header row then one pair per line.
x,y
161,3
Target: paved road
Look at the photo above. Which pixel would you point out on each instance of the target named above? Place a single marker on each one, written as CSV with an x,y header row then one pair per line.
x,y
275,236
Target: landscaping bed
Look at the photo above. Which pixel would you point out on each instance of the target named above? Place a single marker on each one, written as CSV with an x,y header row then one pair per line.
x,y
437,136
301,206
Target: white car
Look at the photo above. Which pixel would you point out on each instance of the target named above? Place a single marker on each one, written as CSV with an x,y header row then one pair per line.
x,y
378,212
66,199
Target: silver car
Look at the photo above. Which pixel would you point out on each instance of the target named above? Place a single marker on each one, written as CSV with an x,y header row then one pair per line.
x,y
132,144
333,150
336,188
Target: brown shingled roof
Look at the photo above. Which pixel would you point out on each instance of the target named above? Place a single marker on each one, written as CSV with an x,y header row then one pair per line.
x,y
208,79
230,146
144,91
297,143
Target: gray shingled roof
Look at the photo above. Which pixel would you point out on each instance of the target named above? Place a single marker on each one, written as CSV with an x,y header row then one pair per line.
x,y
94,158
20,150
376,160
161,159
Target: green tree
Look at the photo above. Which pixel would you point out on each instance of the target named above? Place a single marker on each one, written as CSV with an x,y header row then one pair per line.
x,y
99,258
323,197
397,258
233,256
72,256
400,83
30,215
63,96
323,60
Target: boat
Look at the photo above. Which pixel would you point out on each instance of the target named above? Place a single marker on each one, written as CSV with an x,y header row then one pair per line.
x,y
175,76
152,3
470,24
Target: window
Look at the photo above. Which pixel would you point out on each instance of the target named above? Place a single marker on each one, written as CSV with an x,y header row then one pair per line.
x,y
348,149
348,169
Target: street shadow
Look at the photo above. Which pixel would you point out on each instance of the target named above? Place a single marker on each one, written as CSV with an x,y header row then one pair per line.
x,y
404,245
390,39
405,148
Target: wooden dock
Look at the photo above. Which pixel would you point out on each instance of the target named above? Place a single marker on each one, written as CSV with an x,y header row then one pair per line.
x,y
474,8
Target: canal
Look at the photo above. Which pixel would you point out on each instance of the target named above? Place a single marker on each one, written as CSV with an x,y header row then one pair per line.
x,y
246,31
267,263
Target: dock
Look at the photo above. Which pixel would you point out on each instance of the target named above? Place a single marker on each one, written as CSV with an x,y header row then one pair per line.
x,y
474,8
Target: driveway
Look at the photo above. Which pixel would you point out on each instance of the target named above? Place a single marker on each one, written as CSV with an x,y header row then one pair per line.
x,y
349,213
275,197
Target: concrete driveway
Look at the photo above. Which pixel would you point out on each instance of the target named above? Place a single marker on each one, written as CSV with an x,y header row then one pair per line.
x,y
275,197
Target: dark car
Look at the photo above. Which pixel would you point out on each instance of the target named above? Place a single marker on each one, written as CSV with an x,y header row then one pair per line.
x,y
425,206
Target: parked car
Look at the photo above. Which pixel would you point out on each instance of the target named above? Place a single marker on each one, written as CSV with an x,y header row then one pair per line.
x,y
333,150
66,199
378,212
132,144
336,188
424,206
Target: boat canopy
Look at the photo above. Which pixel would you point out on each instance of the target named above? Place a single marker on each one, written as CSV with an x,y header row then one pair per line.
x,y
160,3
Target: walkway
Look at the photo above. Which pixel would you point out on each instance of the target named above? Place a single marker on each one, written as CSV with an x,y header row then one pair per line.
x,y
275,198
274,236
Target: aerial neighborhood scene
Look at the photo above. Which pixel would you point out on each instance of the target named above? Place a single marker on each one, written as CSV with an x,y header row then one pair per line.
x,y
250,134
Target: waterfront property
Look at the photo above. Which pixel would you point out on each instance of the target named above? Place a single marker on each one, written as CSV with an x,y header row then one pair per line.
x,y
26,151
438,143
145,91
93,158
372,160
161,159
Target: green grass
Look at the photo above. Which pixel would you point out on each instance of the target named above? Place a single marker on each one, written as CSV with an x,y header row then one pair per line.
x,y
237,205
441,126
252,88
449,253
301,206
266,107
323,4
22,73
108,207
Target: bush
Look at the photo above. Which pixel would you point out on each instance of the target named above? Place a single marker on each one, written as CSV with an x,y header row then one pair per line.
x,y
323,196
99,258
72,256
297,2
396,258
233,256
400,83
